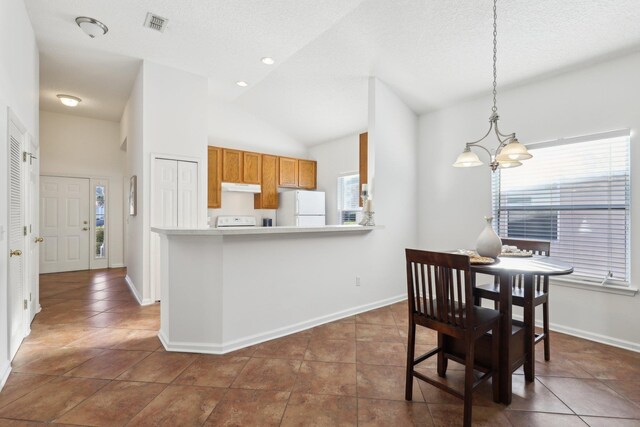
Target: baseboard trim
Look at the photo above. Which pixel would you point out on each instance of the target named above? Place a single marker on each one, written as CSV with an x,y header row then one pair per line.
x,y
116,265
135,292
580,333
6,370
226,347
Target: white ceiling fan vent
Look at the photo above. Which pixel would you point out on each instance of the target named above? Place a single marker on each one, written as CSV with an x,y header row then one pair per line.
x,y
155,22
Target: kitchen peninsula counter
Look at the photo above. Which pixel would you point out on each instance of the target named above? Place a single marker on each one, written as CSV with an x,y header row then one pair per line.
x,y
225,289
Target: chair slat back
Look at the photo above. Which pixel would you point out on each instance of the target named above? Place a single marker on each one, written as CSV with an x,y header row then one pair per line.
x,y
538,247
438,285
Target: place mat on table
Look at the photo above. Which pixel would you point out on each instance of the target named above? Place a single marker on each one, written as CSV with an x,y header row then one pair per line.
x,y
526,254
481,260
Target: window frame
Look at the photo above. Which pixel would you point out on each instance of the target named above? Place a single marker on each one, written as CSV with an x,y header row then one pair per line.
x,y
339,192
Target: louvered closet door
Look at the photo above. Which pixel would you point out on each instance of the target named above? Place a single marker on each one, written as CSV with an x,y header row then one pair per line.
x,y
187,194
64,224
16,241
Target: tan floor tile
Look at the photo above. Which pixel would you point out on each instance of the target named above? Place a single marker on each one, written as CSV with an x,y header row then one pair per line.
x,y
627,388
610,422
326,378
384,382
482,416
378,333
123,339
67,316
380,316
158,367
291,347
27,353
316,410
108,364
384,413
16,423
424,336
52,399
18,385
59,361
540,419
374,353
591,397
179,406
249,408
113,405
326,350
335,331
268,374
212,371
56,335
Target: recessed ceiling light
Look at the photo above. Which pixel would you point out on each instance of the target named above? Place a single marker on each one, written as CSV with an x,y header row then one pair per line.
x,y
242,83
69,101
267,60
92,27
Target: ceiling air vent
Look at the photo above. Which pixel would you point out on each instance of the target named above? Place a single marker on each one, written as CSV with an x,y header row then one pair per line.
x,y
155,22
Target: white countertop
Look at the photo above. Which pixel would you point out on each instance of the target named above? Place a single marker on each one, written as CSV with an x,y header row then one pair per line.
x,y
229,231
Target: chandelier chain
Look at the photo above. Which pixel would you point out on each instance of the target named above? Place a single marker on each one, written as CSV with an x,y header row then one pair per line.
x,y
495,55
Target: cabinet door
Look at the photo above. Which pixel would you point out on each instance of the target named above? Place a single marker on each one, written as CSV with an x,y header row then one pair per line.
x,y
231,165
287,172
214,181
252,168
307,174
268,198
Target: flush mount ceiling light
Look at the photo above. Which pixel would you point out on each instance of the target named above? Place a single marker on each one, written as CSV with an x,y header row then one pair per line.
x,y
509,151
267,60
242,83
92,27
69,101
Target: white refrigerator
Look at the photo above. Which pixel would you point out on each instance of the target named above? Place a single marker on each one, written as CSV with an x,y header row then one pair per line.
x,y
301,208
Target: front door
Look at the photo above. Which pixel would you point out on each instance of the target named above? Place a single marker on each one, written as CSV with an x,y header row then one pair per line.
x,y
64,224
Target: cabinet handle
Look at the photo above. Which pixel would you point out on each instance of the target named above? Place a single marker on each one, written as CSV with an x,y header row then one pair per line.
x,y
39,239
85,228
17,252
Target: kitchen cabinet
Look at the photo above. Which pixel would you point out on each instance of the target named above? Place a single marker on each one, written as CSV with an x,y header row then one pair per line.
x,y
287,172
268,198
307,174
251,167
214,178
232,165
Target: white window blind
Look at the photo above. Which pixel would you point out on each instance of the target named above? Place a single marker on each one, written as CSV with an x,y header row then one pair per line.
x,y
575,193
348,198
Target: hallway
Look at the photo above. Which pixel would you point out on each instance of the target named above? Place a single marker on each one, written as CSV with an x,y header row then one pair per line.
x,y
93,358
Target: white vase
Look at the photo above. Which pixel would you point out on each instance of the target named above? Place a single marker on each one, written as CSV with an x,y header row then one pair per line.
x,y
488,243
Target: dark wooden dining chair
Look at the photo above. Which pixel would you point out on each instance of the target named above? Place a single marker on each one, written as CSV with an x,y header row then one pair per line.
x,y
438,286
491,291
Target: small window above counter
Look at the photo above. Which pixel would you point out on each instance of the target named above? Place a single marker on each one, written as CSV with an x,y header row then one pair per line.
x,y
269,171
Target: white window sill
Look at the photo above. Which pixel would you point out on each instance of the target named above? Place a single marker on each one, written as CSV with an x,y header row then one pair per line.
x,y
587,286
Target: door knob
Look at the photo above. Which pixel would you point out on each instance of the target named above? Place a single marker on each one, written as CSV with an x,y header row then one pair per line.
x,y
85,228
17,252
39,239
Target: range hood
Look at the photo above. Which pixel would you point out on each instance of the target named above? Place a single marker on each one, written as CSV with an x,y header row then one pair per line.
x,y
241,188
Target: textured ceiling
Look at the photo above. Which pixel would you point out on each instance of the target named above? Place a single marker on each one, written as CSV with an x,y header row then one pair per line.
x,y
431,52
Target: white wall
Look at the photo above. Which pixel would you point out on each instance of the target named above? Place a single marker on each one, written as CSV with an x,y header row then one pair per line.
x,y
335,158
18,91
166,114
79,146
453,201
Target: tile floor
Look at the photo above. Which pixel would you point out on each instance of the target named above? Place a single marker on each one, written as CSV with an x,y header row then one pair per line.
x,y
93,358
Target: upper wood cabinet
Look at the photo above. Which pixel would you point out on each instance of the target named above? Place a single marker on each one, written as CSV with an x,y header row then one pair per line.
x,y
232,165
307,174
287,172
268,198
251,168
214,178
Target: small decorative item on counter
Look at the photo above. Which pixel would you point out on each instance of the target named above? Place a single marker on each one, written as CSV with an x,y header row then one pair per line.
x,y
488,243
367,206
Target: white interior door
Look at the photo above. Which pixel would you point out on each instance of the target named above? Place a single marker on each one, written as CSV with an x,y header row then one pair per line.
x,y
33,236
187,194
64,224
164,212
15,289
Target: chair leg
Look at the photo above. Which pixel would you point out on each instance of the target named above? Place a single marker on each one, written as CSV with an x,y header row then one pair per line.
x,y
495,362
411,347
443,362
468,382
545,326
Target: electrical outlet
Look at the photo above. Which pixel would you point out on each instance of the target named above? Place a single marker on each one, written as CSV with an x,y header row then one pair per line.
x,y
357,280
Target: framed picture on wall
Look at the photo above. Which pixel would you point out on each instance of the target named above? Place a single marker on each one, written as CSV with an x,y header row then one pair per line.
x,y
133,195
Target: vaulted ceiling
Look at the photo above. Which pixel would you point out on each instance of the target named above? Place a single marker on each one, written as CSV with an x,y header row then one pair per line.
x,y
430,52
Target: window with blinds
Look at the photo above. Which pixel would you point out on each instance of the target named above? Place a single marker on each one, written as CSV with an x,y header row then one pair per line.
x,y
349,210
575,193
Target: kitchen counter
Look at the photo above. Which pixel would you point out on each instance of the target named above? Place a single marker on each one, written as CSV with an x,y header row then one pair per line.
x,y
228,231
225,289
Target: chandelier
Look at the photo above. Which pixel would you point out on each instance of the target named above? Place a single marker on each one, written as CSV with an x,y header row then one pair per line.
x,y
510,151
